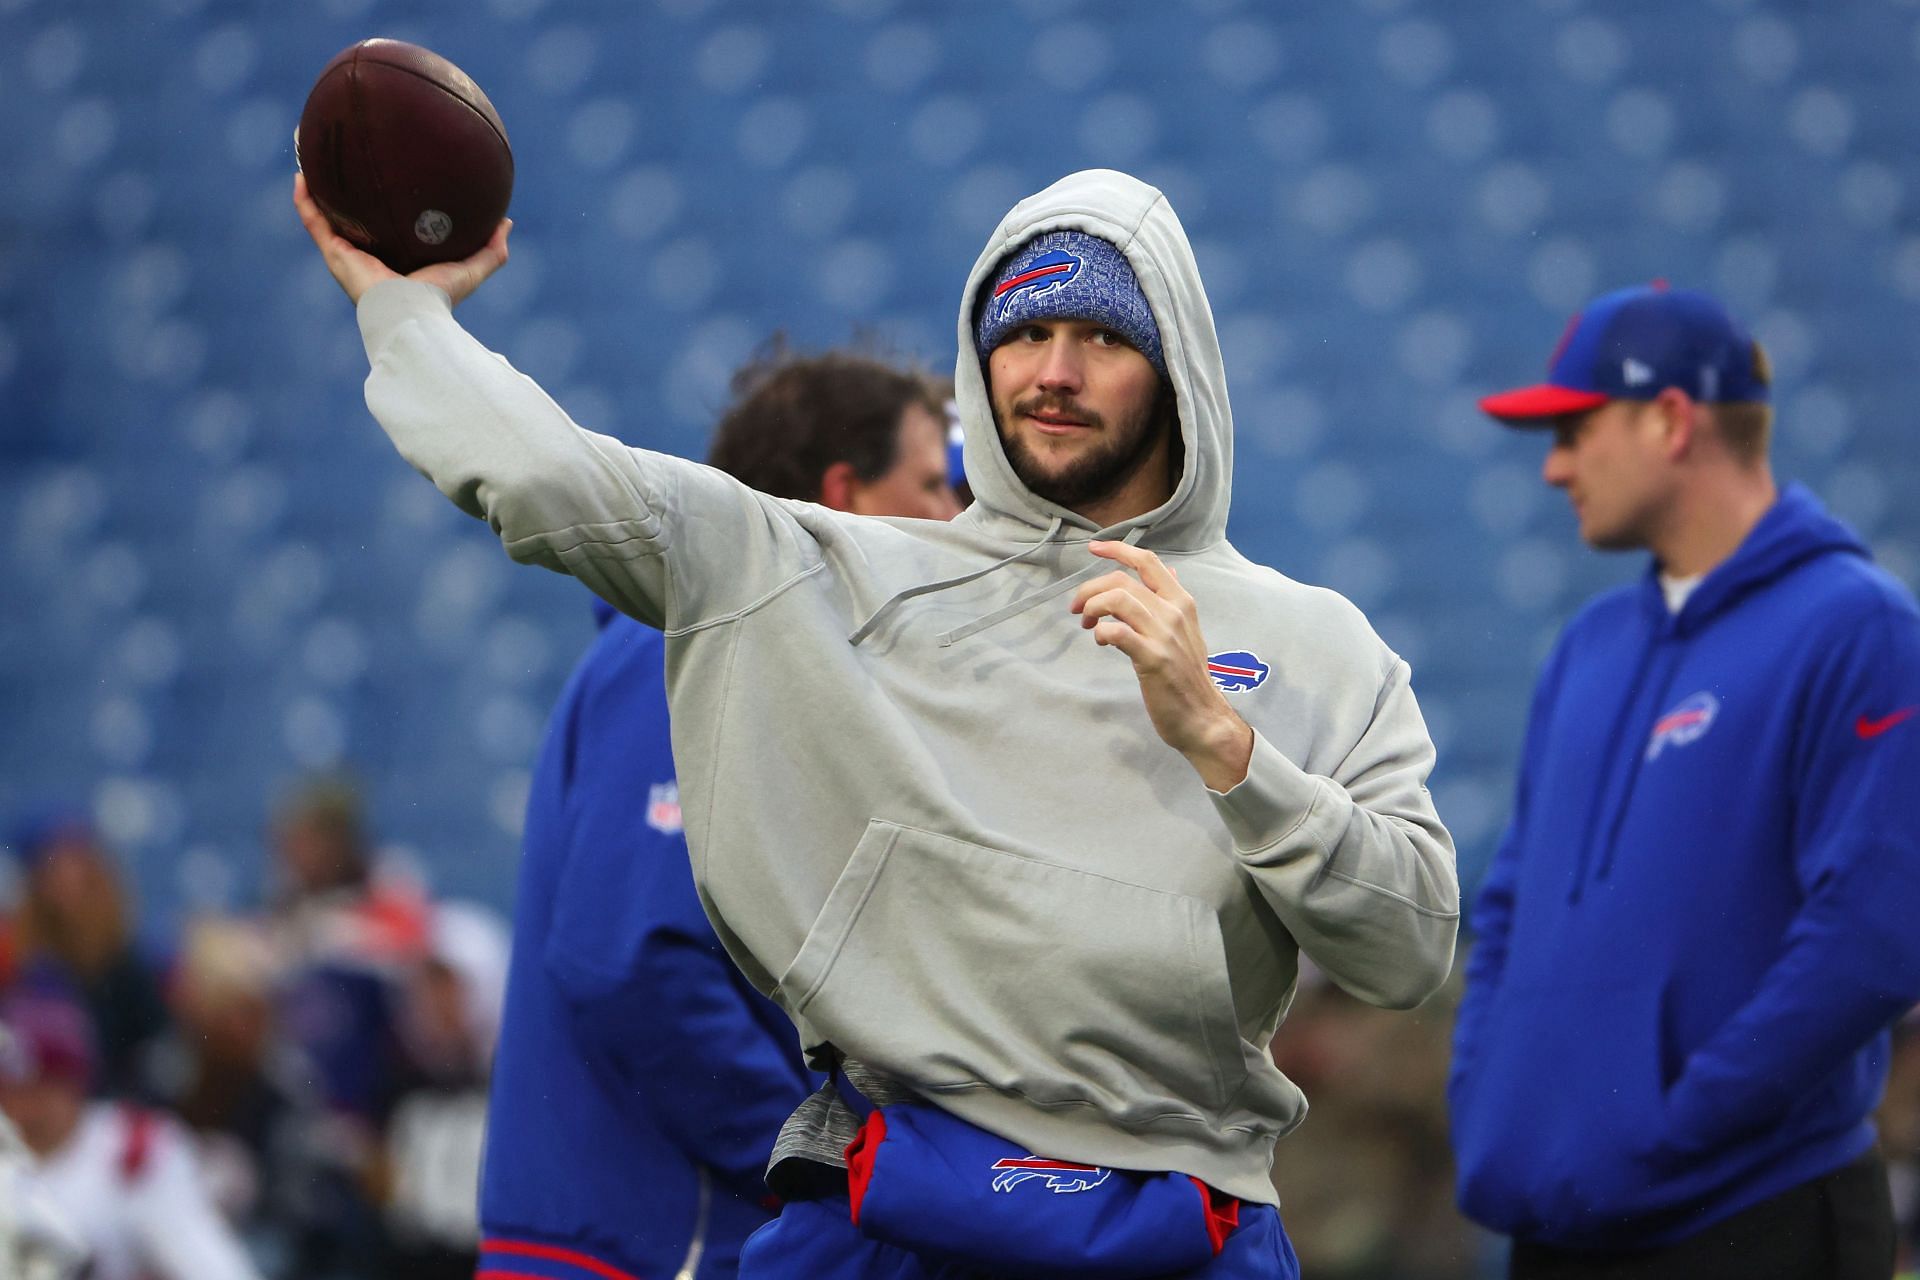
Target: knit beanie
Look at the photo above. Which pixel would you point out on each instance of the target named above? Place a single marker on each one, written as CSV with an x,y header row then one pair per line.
x,y
1067,275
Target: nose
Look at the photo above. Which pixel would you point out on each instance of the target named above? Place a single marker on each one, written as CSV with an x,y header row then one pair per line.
x,y
1061,369
1557,470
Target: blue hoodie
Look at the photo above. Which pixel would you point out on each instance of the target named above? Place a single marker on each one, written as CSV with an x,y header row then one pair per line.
x,y
1700,923
639,1081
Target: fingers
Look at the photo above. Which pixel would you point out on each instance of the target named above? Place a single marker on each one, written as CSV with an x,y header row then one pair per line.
x,y
310,216
1152,570
1134,608
1118,635
460,279
1094,586
355,271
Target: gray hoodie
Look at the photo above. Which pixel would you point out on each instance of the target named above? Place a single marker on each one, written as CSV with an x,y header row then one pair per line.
x,y
928,814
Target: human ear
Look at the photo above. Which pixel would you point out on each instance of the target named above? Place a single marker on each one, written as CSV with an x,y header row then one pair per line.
x,y
1679,418
837,486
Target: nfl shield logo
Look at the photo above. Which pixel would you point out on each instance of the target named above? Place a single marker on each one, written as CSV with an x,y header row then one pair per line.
x,y
663,808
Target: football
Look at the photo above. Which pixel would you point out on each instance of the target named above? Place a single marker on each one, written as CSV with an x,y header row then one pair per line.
x,y
404,154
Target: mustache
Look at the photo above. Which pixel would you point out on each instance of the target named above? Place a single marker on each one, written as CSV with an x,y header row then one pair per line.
x,y
1065,406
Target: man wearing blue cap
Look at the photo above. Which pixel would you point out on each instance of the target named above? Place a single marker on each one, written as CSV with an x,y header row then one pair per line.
x,y
1699,926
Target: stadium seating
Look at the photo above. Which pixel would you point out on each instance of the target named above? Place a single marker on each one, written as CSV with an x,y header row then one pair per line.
x,y
217,573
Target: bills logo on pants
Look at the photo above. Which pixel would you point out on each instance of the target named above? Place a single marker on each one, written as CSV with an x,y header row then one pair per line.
x,y
1060,1176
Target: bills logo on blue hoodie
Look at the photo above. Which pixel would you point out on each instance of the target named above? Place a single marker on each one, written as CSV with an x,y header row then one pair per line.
x,y
1045,274
1236,670
1062,1176
1687,722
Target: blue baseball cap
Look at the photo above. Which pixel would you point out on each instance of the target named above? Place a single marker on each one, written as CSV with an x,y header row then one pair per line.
x,y
1632,344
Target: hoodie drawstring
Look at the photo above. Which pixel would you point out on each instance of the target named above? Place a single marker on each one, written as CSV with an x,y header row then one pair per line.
x,y
899,598
1040,596
1001,614
1663,681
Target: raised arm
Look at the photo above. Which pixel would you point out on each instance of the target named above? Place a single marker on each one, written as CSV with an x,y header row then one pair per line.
x,y
668,541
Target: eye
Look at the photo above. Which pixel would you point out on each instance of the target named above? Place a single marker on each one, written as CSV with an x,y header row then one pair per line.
x,y
1566,431
1108,338
1033,333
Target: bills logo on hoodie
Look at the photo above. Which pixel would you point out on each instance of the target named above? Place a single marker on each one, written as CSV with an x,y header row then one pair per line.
x,y
663,808
1043,275
1061,1176
1236,670
1687,722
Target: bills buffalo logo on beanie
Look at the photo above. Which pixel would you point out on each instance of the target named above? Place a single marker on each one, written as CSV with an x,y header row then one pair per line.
x,y
1044,274
1067,275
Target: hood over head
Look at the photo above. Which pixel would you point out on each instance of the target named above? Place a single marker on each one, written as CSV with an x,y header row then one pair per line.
x,y
1137,220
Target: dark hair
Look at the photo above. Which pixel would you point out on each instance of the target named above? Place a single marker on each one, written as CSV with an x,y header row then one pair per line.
x,y
330,806
1747,426
795,415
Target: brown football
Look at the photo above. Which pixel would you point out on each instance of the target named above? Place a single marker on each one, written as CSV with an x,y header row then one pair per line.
x,y
404,154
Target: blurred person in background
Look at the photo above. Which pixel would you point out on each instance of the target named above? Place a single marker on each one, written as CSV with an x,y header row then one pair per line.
x,y
123,1179
76,932
36,1243
450,1023
1699,926
225,1070
345,936
643,1080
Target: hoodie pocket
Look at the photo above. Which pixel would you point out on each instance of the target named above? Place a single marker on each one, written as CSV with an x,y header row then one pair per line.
x,y
953,965
1572,1083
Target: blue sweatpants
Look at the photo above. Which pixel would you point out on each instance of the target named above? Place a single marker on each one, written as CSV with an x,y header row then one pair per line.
x,y
816,1240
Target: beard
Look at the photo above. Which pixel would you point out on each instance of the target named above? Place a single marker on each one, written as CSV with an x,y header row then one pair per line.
x,y
1115,458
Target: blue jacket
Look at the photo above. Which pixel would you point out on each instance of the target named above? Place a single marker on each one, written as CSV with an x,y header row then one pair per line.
x,y
1701,921
638,1075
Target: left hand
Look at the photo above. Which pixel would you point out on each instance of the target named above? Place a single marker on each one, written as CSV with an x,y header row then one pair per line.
x,y
1147,615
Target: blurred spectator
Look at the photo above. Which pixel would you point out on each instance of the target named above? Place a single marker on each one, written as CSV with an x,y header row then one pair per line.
x,y
450,1021
226,1072
1366,1182
36,1243
75,932
344,937
124,1179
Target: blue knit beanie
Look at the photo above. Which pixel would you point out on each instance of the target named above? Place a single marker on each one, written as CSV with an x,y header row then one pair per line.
x,y
1067,275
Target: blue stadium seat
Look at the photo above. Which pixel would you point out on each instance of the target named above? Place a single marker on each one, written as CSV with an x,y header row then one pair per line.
x,y
1396,206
